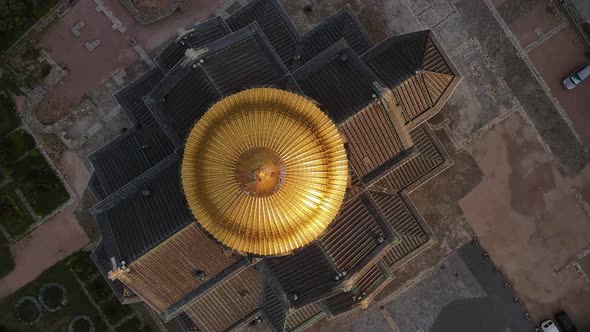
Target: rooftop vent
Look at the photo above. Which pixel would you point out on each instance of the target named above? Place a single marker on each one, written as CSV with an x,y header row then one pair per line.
x,y
200,275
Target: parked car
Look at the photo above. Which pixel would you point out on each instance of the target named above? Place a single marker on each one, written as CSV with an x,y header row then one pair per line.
x,y
564,322
549,326
575,78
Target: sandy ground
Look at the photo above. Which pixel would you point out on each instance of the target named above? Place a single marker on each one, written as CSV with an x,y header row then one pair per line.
x,y
54,240
530,220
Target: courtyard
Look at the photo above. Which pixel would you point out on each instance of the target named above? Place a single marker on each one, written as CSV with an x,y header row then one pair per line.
x,y
520,182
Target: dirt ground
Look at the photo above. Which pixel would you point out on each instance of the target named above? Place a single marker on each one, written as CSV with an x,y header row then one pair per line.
x,y
152,6
528,217
86,69
556,50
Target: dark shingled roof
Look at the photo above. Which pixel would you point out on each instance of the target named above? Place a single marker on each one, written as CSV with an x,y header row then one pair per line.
x,y
342,25
144,213
364,287
420,167
354,235
240,60
338,80
275,25
181,99
96,188
416,71
397,58
130,97
306,276
230,305
195,37
128,156
300,318
186,322
374,140
288,83
273,308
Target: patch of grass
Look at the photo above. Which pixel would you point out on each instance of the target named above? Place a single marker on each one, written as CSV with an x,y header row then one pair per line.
x,y
3,240
9,120
134,325
81,325
99,290
78,303
13,214
586,29
6,260
83,266
114,310
39,184
21,20
14,146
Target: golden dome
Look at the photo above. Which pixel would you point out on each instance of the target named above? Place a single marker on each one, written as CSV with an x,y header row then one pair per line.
x,y
264,171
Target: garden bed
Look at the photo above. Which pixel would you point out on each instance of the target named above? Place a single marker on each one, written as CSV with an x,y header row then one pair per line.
x,y
21,16
53,296
9,120
134,325
77,303
15,146
13,215
28,310
41,187
6,260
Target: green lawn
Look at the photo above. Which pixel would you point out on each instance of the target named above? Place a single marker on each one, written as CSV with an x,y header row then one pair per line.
x,y
21,19
134,325
14,146
13,215
39,184
83,266
78,303
6,261
9,120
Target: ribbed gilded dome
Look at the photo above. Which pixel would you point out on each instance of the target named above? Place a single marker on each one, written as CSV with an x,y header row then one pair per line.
x,y
264,171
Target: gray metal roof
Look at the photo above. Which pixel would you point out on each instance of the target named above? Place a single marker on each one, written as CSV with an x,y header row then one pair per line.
x,y
144,213
195,36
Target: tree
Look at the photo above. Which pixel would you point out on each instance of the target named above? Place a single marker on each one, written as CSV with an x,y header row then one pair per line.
x,y
12,15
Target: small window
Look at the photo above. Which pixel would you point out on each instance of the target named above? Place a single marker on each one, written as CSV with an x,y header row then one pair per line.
x,y
575,78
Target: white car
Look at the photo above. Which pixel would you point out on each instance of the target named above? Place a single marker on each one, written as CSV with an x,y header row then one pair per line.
x,y
574,79
549,326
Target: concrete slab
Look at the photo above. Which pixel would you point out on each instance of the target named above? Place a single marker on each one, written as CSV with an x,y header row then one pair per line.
x,y
418,307
530,221
536,22
370,320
